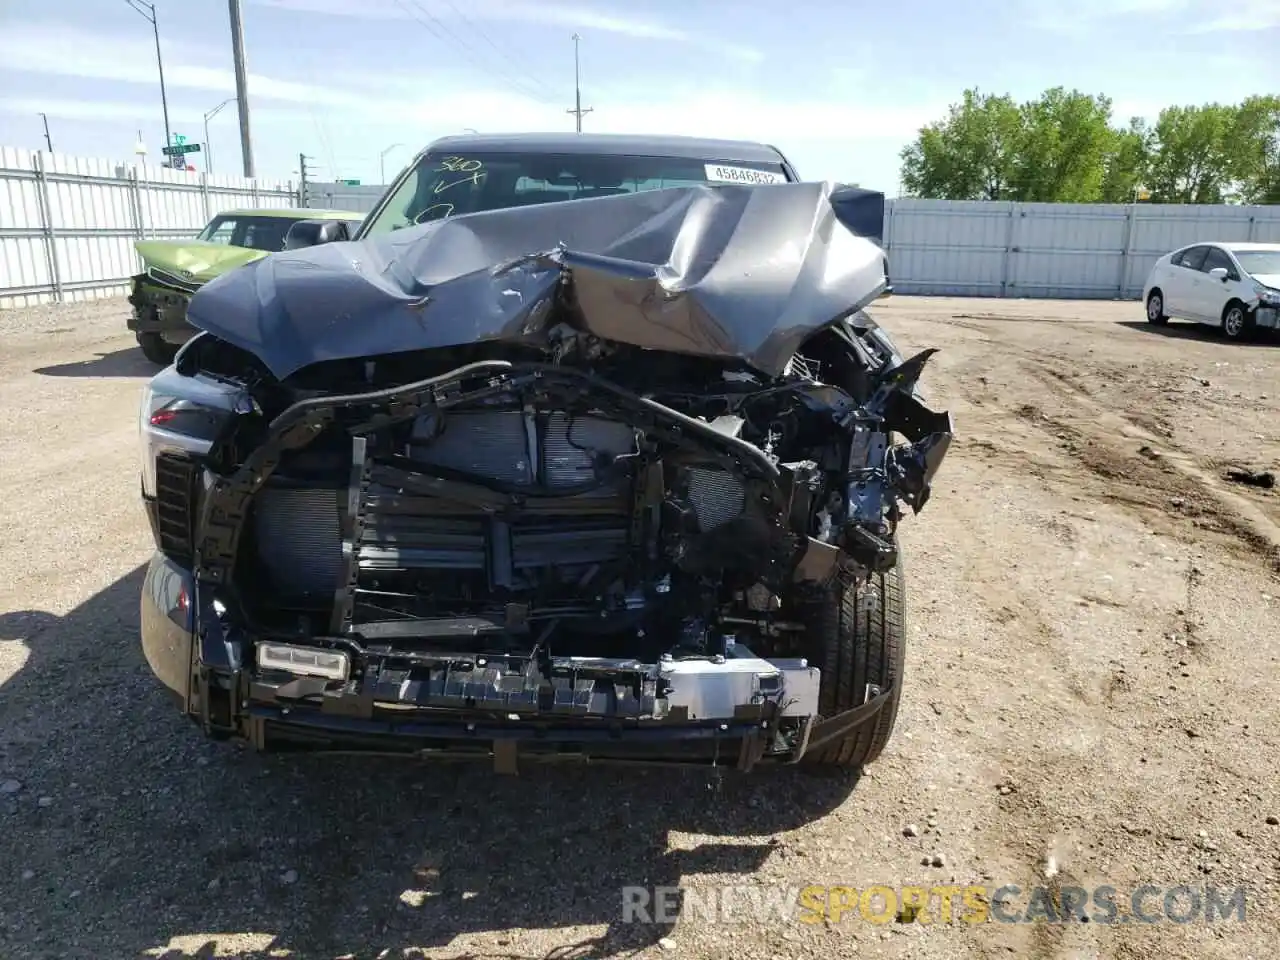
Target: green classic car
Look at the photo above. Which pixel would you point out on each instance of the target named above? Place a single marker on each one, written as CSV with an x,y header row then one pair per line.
x,y
172,270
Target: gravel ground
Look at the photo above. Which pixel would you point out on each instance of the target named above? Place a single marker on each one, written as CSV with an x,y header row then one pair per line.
x,y
1092,698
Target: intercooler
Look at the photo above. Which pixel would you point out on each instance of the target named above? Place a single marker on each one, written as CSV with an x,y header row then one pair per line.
x,y
298,529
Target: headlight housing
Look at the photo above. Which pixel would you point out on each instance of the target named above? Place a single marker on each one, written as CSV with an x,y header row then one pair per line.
x,y
1267,296
184,422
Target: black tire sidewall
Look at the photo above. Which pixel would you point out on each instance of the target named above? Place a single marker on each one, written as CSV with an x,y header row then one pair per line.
x,y
1160,319
1246,324
853,648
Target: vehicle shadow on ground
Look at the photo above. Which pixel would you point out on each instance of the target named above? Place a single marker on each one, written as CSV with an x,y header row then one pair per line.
x,y
128,362
155,841
1198,331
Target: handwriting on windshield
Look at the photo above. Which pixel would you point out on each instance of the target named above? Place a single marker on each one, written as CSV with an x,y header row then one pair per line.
x,y
458,170
431,212
460,165
471,171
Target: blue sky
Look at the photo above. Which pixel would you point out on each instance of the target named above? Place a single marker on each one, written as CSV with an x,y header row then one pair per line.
x,y
839,86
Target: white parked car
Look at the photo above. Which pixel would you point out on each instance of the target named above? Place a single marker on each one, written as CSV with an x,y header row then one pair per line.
x,y
1232,286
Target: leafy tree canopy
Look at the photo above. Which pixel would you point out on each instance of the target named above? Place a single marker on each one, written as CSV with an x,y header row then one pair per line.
x,y
1064,147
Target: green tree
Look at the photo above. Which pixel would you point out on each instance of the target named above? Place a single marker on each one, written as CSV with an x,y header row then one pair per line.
x,y
971,155
1061,147
1193,154
1065,142
1127,162
1255,158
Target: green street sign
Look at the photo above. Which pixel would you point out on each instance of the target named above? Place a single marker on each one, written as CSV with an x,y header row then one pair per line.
x,y
350,183
179,139
181,149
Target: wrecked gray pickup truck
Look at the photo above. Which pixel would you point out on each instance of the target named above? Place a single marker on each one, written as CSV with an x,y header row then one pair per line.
x,y
614,478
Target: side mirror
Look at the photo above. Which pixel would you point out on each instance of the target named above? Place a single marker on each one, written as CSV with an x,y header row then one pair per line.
x,y
1219,273
311,233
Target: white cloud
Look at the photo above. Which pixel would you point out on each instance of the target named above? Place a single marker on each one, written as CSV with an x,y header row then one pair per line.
x,y
39,49
711,114
1239,17
341,119
433,101
1082,16
125,112
624,22
1185,16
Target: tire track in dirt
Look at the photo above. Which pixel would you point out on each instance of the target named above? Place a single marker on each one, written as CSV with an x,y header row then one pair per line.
x,y
1035,835
1131,454
1050,827
1167,472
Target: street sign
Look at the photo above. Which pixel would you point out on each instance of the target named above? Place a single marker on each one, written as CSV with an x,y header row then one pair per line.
x,y
179,139
180,149
350,183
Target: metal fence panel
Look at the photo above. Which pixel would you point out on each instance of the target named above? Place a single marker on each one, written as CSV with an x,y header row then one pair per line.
x,y
343,196
940,247
1055,250
67,224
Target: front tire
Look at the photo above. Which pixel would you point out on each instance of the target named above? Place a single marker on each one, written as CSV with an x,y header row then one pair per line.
x,y
1155,309
856,637
1237,323
157,349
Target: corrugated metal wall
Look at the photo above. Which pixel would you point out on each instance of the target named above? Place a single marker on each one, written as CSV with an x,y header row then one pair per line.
x,y
1055,250
67,224
343,196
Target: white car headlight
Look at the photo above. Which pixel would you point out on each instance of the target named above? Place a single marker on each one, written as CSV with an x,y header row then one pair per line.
x,y
1267,296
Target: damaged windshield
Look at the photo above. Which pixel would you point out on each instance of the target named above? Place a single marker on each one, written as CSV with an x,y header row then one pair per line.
x,y
443,185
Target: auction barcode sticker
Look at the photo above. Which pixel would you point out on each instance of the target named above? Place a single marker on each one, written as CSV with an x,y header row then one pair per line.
x,y
724,174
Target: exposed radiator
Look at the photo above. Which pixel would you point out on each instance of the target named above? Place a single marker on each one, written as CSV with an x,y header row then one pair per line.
x,y
571,446
299,538
561,450
716,495
298,530
489,444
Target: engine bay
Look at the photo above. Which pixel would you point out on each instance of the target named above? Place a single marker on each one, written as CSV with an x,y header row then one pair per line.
x,y
561,506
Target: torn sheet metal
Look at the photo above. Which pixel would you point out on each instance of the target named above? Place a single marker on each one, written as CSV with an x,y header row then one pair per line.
x,y
745,273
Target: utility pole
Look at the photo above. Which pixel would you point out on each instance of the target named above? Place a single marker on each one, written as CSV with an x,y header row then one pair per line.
x,y
578,109
303,178
148,11
242,87
48,142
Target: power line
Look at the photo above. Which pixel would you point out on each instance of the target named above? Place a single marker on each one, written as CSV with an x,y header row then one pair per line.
x,y
506,55
321,123
465,48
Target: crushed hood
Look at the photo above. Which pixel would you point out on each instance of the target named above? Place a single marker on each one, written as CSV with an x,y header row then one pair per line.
x,y
196,261
743,273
